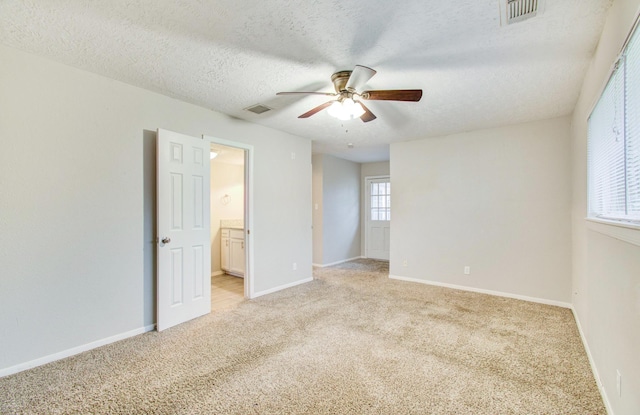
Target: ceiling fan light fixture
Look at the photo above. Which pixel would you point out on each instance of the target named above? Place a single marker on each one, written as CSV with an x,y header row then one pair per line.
x,y
358,111
346,109
335,109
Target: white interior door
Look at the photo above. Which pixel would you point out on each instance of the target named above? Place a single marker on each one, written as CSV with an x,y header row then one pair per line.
x,y
378,217
184,251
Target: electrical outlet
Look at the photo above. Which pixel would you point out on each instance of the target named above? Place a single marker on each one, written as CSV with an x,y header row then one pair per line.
x,y
404,262
295,266
467,270
619,383
293,155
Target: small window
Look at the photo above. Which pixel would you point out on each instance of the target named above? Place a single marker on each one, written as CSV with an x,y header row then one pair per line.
x,y
614,143
380,200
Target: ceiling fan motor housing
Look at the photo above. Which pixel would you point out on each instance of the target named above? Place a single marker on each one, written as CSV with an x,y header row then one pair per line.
x,y
340,80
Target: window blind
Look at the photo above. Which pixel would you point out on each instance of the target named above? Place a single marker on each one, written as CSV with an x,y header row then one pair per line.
x,y
614,142
632,126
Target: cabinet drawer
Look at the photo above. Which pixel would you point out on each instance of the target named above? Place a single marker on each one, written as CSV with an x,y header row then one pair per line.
x,y
236,233
225,233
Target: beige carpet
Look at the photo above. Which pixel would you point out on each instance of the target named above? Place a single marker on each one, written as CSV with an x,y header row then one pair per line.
x,y
350,342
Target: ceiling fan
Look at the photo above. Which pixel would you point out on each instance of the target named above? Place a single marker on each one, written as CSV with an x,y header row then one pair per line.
x,y
348,102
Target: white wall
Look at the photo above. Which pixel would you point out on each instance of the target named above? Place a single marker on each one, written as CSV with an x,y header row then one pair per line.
x,y
78,210
606,259
497,200
378,168
226,180
316,185
336,190
341,210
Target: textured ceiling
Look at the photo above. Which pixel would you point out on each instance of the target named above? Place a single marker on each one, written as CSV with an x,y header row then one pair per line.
x,y
230,54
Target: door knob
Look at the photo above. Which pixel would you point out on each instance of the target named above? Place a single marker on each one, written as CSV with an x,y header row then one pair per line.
x,y
166,240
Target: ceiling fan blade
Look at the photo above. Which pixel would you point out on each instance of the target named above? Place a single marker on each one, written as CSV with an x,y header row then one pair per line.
x,y
359,76
330,94
316,109
413,95
368,115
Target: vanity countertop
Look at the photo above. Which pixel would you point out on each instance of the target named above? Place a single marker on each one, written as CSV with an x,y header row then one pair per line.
x,y
232,224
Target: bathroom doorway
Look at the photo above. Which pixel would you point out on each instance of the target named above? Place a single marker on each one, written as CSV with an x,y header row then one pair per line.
x,y
230,274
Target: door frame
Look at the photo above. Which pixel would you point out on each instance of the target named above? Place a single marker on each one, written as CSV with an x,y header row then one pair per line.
x,y
249,291
367,209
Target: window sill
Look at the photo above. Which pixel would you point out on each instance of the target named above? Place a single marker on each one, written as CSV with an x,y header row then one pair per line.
x,y
619,230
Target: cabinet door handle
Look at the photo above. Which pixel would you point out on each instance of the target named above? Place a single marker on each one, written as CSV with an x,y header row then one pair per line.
x,y
243,245
227,242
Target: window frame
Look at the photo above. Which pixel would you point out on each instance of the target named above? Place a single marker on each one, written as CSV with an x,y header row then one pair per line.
x,y
619,65
383,208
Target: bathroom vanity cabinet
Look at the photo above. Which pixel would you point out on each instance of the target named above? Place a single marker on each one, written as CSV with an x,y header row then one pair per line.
x,y
232,251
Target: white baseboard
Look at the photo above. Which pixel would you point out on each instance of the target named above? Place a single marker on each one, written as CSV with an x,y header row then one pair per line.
x,y
594,369
73,351
216,273
281,287
483,291
337,262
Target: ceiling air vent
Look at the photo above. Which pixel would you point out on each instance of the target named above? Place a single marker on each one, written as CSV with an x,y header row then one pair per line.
x,y
514,11
258,108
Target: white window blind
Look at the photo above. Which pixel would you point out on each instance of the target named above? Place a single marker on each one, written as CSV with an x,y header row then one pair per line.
x,y
632,127
614,143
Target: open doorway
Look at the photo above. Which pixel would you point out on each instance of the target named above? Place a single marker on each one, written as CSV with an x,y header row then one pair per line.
x,y
184,225
228,256
231,278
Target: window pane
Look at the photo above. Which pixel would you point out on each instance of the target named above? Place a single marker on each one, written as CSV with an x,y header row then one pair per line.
x,y
380,200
